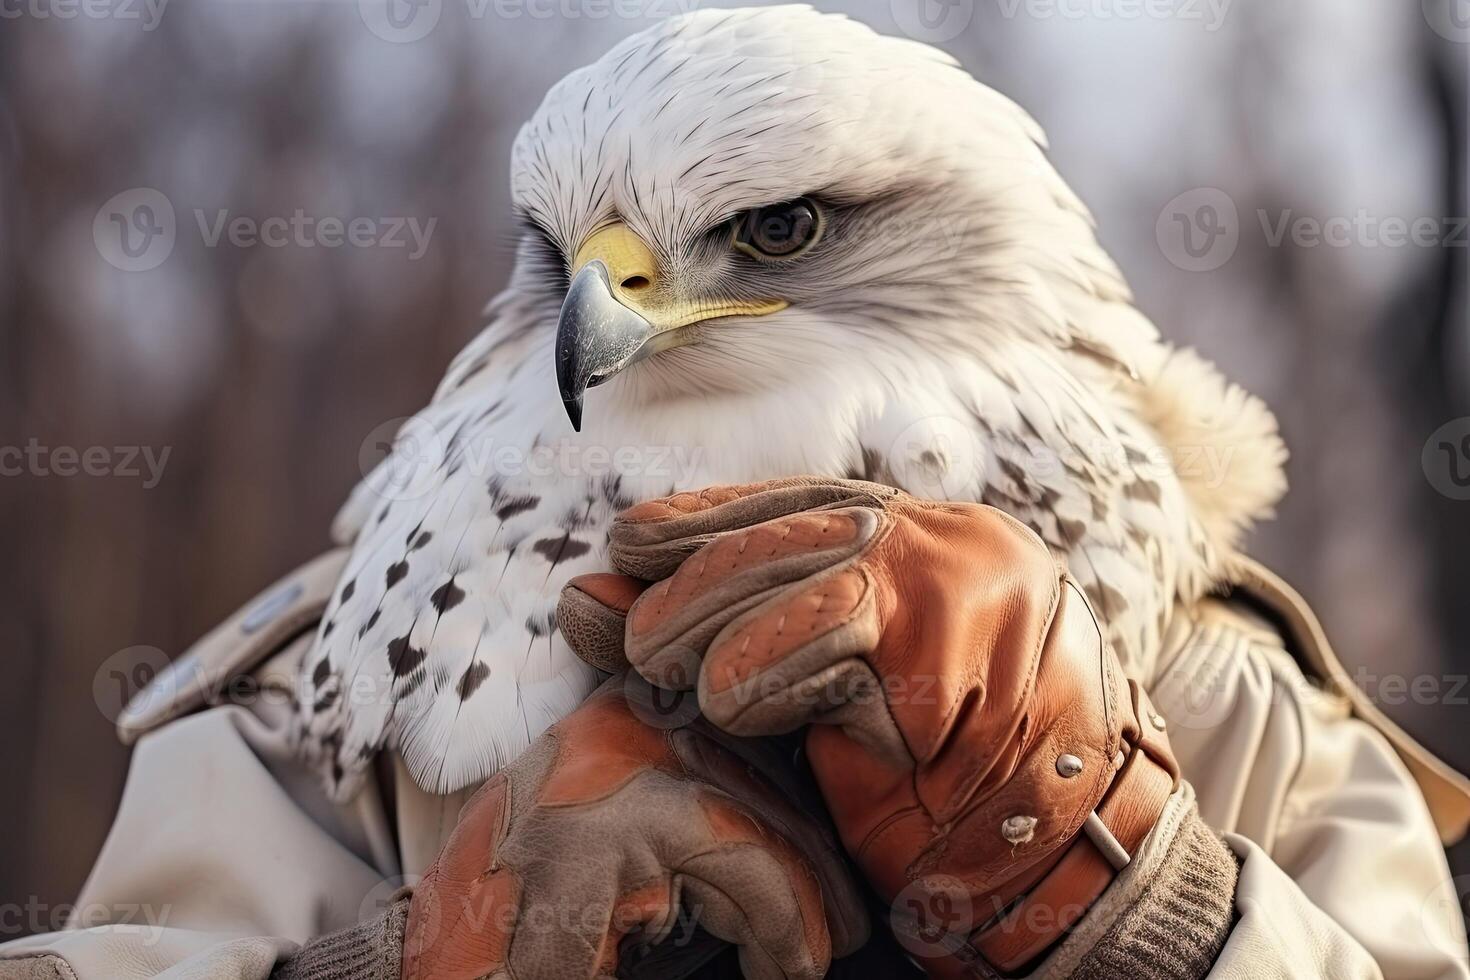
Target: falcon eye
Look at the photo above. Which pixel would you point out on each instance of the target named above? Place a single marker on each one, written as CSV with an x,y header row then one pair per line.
x,y
778,231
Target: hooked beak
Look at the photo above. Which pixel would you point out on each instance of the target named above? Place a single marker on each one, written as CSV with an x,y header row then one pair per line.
x,y
596,337
617,311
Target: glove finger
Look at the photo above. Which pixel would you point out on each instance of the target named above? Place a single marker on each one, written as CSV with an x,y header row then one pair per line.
x,y
740,775
462,916
671,625
592,613
651,539
800,659
571,924
758,892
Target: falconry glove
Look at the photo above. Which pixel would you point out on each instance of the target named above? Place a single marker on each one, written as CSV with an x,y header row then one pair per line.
x,y
987,763
611,827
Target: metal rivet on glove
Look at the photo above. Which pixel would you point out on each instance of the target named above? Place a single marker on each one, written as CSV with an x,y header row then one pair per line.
x,y
1068,766
1018,829
1158,721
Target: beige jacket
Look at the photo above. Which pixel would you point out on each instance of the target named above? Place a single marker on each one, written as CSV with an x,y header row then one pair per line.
x,y
225,854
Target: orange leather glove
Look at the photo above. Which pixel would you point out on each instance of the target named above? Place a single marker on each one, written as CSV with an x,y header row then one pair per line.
x,y
608,827
985,759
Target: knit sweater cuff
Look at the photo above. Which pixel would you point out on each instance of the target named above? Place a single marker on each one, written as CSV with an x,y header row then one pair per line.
x,y
1181,919
372,950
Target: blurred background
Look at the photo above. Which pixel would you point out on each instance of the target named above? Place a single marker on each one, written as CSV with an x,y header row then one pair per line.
x,y
183,400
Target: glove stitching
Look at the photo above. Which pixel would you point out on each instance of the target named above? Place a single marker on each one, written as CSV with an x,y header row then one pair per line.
x,y
868,596
430,902
821,603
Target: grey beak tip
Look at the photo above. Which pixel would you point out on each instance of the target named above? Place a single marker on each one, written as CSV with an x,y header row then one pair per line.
x,y
596,337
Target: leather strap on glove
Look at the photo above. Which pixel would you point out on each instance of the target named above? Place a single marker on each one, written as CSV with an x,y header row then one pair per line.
x,y
609,828
985,759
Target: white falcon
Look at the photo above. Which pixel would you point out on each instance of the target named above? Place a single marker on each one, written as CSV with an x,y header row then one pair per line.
x,y
762,243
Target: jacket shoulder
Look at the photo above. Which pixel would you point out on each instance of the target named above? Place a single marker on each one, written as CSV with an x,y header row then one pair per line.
x,y
277,618
1271,600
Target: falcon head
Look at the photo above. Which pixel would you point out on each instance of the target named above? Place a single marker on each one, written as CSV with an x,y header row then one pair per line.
x,y
735,202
